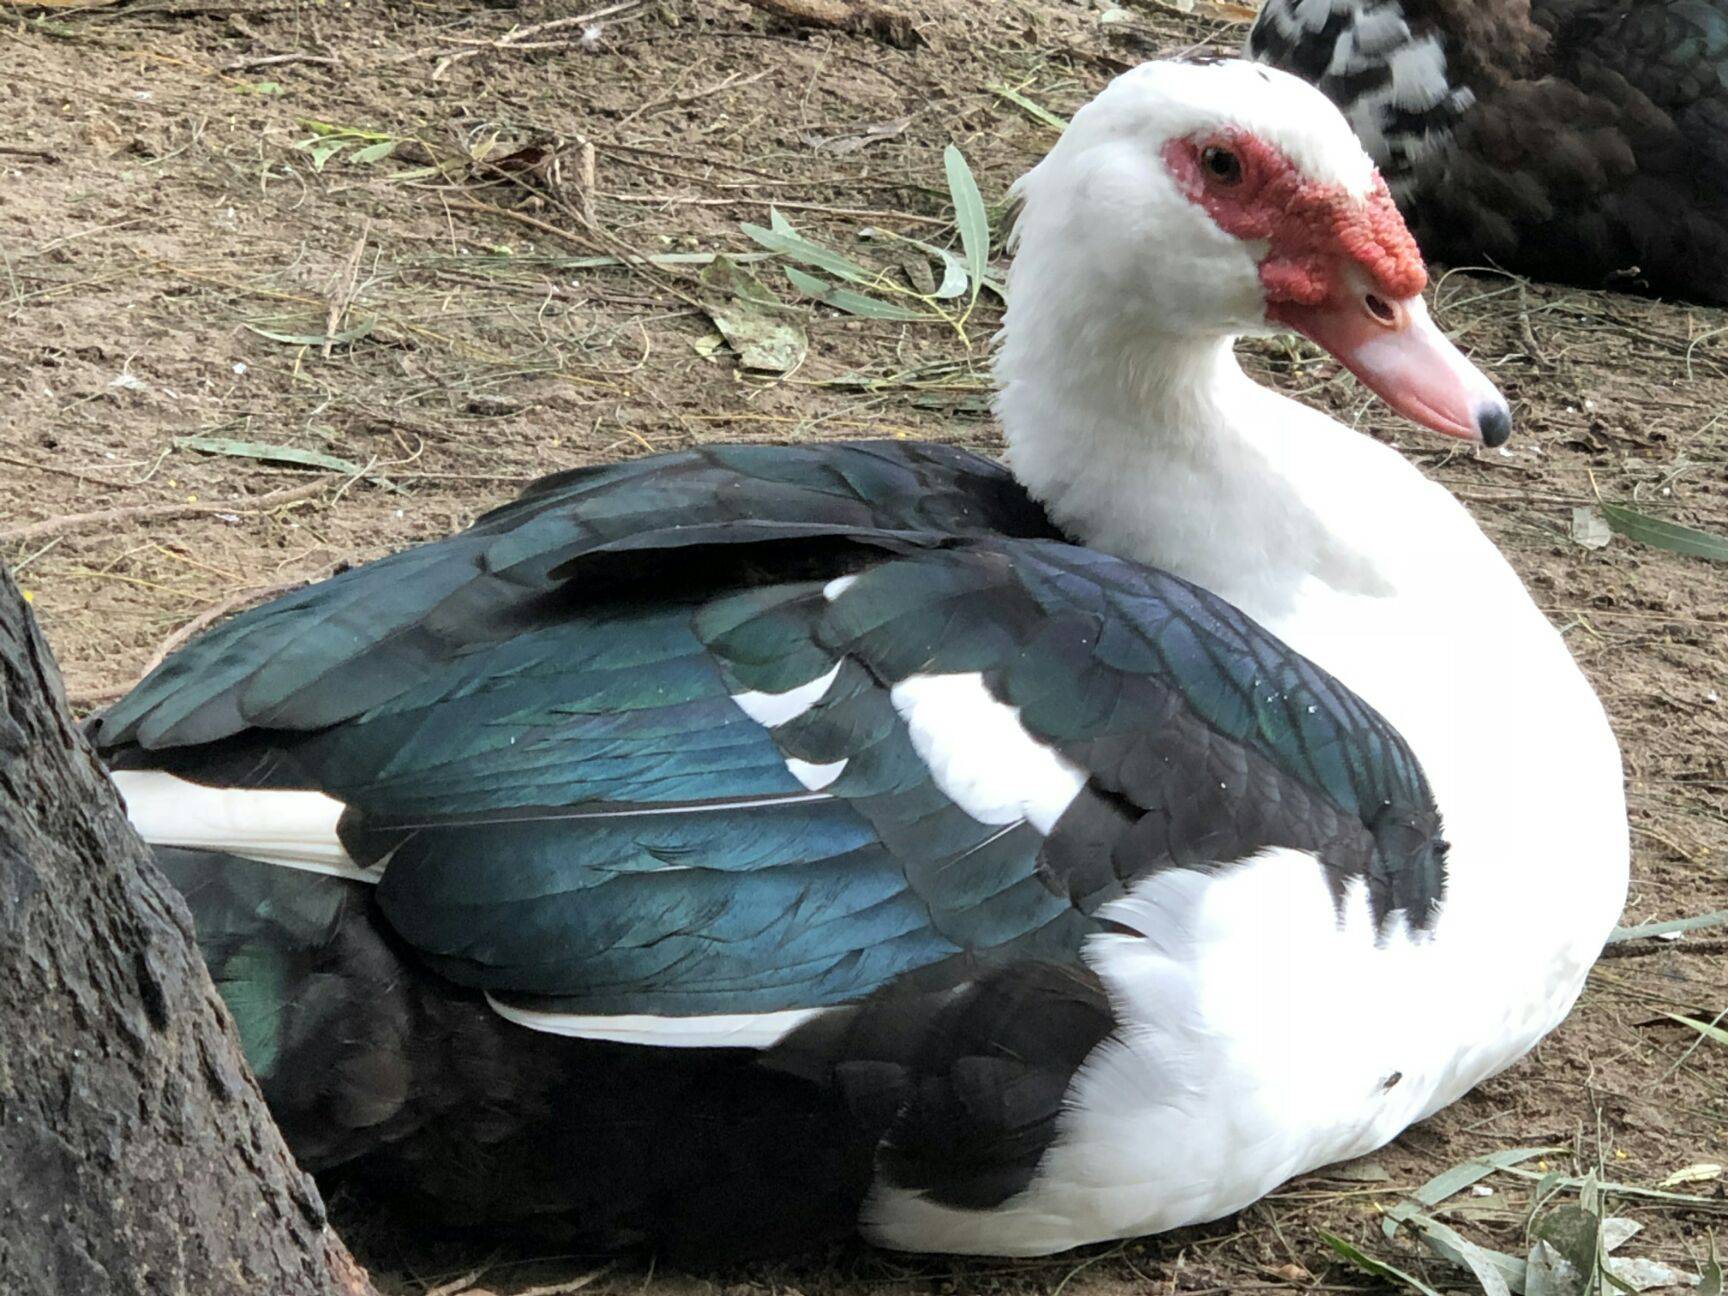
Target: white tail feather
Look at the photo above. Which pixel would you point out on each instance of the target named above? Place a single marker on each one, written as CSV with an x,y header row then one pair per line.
x,y
294,829
723,1030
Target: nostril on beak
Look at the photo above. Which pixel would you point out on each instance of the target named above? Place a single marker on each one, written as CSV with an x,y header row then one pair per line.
x,y
1494,423
1380,309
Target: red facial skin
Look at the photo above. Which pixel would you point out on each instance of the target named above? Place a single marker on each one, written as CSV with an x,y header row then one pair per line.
x,y
1310,226
1344,272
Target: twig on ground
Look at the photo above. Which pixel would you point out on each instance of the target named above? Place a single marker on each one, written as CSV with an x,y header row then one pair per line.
x,y
585,199
862,16
342,292
533,36
275,60
152,512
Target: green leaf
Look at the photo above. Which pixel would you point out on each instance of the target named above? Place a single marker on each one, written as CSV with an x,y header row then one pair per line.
x,y
856,303
1496,1273
853,303
1671,536
323,151
372,153
1717,919
805,252
268,453
1378,1268
1031,109
754,322
1574,1234
808,284
1450,1182
969,215
954,276
1617,1189
1711,1283
1709,1030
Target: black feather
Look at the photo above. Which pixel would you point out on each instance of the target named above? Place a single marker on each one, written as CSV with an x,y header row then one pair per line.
x,y
1584,141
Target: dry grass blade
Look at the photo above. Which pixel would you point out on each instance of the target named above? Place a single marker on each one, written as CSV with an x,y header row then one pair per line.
x,y
1710,1030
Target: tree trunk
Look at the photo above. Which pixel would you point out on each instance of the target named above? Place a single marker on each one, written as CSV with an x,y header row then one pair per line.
x,y
136,1154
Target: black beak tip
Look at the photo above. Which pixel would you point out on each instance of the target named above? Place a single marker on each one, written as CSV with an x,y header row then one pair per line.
x,y
1494,422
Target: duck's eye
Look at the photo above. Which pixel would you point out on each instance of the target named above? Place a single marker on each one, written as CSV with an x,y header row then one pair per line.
x,y
1221,164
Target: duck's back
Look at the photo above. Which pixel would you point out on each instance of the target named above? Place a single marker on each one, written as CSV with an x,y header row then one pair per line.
x,y
1584,141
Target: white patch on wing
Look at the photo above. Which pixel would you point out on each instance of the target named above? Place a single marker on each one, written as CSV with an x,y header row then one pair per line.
x,y
771,709
1264,1030
723,1030
836,587
295,829
981,756
815,777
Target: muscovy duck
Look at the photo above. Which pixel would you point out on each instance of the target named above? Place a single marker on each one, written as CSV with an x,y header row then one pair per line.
x,y
1584,141
729,848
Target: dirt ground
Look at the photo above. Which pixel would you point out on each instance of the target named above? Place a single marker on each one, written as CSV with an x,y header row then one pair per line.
x,y
179,260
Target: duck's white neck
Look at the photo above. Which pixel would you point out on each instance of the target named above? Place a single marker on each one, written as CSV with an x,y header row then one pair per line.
x,y
1158,448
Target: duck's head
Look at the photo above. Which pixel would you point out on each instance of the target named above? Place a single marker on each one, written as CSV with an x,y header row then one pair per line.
x,y
1217,198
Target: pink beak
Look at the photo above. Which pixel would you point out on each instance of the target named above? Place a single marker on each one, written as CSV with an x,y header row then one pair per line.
x,y
1401,356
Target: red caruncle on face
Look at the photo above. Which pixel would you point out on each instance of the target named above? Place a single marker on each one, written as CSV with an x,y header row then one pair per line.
x,y
1313,230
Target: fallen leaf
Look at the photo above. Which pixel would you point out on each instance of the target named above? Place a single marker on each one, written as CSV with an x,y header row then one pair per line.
x,y
1698,1172
759,327
1617,1230
1589,528
1648,1275
1563,1260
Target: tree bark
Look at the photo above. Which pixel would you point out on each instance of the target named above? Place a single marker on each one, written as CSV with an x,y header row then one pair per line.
x,y
136,1154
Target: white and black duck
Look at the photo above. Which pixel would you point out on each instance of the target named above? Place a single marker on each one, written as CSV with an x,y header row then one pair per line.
x,y
730,848
1579,140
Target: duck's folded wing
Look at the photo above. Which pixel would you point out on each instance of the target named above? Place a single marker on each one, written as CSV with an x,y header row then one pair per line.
x,y
705,819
